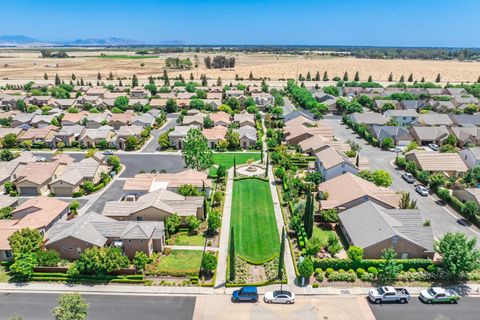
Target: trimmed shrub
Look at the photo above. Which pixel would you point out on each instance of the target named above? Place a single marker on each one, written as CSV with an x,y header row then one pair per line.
x,y
328,271
372,270
342,276
347,264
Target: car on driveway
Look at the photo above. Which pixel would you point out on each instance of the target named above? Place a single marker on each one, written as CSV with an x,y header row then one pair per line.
x,y
248,294
279,296
108,153
421,190
408,177
439,295
434,146
388,294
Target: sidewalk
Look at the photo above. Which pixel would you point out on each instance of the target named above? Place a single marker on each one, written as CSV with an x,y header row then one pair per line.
x,y
221,279
198,248
472,290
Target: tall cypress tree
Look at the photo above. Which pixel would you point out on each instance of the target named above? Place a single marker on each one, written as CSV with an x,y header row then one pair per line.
x,y
232,255
261,154
234,167
308,215
266,167
134,81
281,255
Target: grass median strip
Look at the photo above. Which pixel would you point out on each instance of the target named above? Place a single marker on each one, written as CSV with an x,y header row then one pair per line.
x,y
253,219
226,159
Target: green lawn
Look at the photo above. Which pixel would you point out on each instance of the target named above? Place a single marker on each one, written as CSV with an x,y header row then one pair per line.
x,y
322,235
253,220
226,159
180,262
3,275
183,239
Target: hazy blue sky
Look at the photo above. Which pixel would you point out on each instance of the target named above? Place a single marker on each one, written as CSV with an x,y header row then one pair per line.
x,y
329,22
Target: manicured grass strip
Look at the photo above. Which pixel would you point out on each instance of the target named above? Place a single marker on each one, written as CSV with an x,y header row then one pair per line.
x,y
253,219
226,159
187,240
180,262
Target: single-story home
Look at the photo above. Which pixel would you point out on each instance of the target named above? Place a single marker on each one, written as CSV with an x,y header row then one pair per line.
x,y
448,163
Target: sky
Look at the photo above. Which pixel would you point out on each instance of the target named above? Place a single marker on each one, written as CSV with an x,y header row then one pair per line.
x,y
423,23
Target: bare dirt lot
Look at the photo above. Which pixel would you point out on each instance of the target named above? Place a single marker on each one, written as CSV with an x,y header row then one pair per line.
x,y
28,65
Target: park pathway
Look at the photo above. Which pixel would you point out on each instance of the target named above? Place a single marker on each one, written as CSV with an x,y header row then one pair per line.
x,y
221,279
289,264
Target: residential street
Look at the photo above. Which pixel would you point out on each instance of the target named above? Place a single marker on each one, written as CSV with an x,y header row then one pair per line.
x,y
152,145
442,219
34,306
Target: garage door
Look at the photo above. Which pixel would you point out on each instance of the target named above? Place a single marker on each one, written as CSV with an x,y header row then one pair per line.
x,y
62,192
28,191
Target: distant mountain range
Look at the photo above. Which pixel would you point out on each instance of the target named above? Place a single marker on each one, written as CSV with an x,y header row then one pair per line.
x,y
25,41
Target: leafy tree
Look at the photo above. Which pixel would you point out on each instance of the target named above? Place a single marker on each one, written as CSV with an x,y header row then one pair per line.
x,y
314,177
131,143
209,262
196,152
6,155
172,223
207,122
121,103
470,209
355,253
88,186
152,88
232,255
388,143
114,162
23,264
193,223
233,139
48,258
459,254
6,213
171,106
213,221
25,241
141,260
163,140
313,246
329,215
451,140
389,268
71,306
380,178
9,140
305,268
437,180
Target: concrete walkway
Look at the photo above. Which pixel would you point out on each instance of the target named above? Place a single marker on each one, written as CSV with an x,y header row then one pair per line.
x,y
224,234
472,290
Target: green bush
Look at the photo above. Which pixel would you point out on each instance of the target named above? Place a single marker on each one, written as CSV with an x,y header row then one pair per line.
x,y
328,271
77,194
342,276
373,270
315,285
412,270
347,264
360,272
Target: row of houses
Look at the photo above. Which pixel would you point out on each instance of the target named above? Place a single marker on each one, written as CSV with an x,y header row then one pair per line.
x,y
245,126
62,176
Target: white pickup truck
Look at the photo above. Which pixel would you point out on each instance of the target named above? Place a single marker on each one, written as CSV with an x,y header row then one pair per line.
x,y
388,294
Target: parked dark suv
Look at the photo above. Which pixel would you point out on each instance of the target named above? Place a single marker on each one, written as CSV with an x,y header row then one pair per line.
x,y
249,294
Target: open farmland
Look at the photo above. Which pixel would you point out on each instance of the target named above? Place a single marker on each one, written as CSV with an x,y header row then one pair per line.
x,y
27,65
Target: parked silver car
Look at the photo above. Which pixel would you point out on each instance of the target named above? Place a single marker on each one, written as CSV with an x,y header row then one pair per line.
x,y
421,190
408,177
279,296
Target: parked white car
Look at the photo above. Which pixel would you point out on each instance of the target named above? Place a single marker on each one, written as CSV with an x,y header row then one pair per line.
x,y
422,190
434,146
279,296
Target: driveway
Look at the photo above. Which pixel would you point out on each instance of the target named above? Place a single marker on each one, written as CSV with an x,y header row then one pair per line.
x,y
153,144
113,193
442,219
136,162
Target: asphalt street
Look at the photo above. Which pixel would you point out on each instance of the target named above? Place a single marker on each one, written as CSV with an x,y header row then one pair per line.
x,y
443,220
36,306
466,309
113,193
153,144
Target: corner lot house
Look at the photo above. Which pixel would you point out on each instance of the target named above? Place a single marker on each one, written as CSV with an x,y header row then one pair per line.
x,y
33,178
375,228
349,190
38,213
71,238
331,163
143,183
447,163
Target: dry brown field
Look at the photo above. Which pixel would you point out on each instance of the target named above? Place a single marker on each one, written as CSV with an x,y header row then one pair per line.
x,y
28,65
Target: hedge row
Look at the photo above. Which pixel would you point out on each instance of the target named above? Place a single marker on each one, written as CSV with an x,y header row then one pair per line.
x,y
346,264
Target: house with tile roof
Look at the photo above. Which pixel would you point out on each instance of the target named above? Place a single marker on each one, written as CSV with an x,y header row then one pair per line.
x,y
375,228
33,178
331,163
448,163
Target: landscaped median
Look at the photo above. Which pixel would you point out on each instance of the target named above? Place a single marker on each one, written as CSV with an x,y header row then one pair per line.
x,y
255,233
226,159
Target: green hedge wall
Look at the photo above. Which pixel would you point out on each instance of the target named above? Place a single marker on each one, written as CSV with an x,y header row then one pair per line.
x,y
346,264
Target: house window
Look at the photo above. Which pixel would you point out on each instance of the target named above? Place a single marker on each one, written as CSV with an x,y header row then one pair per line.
x,y
70,248
141,241
394,240
139,218
129,241
8,254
